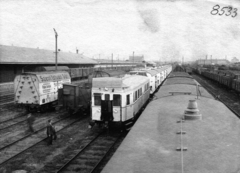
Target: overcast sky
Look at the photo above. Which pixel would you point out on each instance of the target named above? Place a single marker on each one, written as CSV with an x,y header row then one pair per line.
x,y
159,30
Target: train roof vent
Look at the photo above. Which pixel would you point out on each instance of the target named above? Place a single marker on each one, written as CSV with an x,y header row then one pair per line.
x,y
192,112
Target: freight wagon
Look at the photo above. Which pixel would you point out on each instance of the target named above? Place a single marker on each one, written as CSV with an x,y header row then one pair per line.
x,y
39,90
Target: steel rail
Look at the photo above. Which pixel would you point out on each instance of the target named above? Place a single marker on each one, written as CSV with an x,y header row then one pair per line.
x,y
41,129
16,155
80,151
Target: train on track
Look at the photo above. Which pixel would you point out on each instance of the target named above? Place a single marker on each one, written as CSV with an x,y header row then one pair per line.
x,y
183,129
229,79
39,90
119,100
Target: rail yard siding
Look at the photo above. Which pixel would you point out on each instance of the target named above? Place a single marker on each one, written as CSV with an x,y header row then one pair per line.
x,y
6,88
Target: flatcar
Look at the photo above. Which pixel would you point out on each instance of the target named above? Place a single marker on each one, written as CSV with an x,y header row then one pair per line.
x,y
118,100
184,129
39,90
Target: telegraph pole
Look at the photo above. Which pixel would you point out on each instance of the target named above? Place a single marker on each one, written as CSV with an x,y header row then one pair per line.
x,y
133,57
112,60
56,52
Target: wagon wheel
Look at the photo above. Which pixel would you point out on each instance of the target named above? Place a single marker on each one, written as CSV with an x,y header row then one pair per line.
x,y
31,109
43,108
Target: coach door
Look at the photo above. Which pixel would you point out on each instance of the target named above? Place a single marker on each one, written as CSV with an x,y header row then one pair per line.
x,y
129,106
107,109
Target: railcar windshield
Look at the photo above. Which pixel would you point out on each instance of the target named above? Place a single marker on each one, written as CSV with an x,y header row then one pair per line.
x,y
97,99
116,100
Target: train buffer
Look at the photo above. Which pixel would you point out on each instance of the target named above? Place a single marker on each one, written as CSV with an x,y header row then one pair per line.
x,y
180,93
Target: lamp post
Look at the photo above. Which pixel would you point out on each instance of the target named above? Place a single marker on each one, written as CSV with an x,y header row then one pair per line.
x,y
56,35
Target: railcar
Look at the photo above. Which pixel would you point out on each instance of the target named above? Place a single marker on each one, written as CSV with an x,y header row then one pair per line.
x,y
77,95
156,76
118,100
152,75
39,90
184,129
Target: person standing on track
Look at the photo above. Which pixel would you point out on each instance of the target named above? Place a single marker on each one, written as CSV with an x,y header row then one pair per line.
x,y
50,132
30,120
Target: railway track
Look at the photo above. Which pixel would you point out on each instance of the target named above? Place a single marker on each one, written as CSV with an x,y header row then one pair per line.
x,y
87,159
13,121
6,99
14,148
228,97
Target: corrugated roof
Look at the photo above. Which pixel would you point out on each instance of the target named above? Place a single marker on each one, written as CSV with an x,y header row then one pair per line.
x,y
22,55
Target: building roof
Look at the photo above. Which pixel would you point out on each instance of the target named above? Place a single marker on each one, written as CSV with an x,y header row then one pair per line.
x,y
22,55
107,61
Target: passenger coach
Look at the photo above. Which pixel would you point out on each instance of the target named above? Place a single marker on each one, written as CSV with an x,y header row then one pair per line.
x,y
118,100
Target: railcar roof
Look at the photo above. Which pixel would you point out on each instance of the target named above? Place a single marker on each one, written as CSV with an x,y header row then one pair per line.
x,y
130,81
151,72
182,83
212,143
43,72
179,74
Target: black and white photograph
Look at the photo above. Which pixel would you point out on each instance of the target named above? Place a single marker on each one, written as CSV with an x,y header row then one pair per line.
x,y
120,86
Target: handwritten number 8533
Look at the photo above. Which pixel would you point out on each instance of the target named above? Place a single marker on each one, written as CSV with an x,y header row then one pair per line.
x,y
227,10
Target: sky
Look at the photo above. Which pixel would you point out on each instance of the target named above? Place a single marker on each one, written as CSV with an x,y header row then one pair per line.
x,y
161,30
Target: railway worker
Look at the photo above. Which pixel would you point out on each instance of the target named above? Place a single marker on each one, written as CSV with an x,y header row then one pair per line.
x,y
50,132
30,120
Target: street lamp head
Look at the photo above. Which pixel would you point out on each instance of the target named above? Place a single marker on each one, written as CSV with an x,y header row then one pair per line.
x,y
55,32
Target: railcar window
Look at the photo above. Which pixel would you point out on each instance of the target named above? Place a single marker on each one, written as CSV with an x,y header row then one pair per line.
x,y
97,99
136,96
128,99
107,97
140,91
116,100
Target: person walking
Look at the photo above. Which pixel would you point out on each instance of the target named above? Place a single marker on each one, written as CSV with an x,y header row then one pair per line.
x,y
30,120
50,132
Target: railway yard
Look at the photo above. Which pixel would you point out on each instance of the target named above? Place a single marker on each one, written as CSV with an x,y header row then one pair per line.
x,y
77,148
119,87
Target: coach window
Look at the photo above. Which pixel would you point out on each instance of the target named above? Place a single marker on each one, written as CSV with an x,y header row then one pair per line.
x,y
97,99
136,97
116,100
107,97
128,99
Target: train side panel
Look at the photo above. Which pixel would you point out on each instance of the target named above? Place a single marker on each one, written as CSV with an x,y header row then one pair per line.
x,y
161,142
